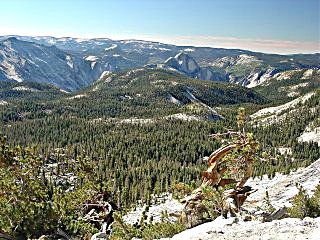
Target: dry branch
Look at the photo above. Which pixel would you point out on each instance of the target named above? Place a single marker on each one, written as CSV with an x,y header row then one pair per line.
x,y
213,176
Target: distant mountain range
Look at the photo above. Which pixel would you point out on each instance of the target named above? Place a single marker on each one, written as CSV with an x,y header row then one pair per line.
x,y
72,64
140,94
28,61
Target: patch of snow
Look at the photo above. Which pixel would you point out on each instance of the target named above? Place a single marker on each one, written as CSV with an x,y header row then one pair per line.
x,y
126,97
32,62
230,229
307,74
91,58
158,81
159,204
285,150
169,59
285,75
2,102
246,59
52,41
282,188
69,61
203,231
116,55
174,83
64,91
23,88
137,120
190,96
103,74
130,41
292,94
174,100
113,46
310,135
291,90
80,40
134,216
255,81
77,96
279,109
164,49
294,87
239,60
11,72
184,117
93,64
96,88
131,72
40,60
125,121
188,50
64,39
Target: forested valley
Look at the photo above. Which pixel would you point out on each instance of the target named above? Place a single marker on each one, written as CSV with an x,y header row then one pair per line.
x,y
129,148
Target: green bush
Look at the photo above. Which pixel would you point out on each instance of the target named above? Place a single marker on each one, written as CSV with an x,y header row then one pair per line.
x,y
32,205
304,206
150,231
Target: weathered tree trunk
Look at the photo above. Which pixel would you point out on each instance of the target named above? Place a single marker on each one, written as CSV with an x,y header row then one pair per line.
x,y
192,214
233,198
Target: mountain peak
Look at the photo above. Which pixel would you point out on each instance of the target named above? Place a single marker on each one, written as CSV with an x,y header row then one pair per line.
x,y
21,60
183,63
12,39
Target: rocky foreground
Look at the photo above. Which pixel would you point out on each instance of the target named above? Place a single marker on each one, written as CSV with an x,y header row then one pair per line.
x,y
227,229
281,189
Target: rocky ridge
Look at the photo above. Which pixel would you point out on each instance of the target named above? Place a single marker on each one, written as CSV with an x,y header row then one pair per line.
x,y
105,55
187,65
27,61
230,229
281,190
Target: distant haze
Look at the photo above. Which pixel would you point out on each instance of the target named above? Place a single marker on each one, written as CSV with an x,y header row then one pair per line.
x,y
273,26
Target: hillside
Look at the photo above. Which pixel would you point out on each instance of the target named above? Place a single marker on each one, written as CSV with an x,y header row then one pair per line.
x,y
281,191
290,84
145,129
139,125
158,92
142,94
31,62
84,60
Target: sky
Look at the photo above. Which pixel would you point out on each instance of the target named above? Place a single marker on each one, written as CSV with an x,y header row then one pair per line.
x,y
273,26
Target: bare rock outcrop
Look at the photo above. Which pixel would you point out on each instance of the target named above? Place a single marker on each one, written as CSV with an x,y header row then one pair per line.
x,y
230,229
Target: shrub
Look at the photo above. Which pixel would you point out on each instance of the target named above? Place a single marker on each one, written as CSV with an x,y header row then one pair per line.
x,y
33,205
304,206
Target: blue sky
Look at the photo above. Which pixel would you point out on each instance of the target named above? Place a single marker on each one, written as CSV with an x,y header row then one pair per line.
x,y
284,26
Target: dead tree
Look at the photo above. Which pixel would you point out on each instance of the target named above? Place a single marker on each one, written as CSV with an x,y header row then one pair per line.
x,y
236,157
99,212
